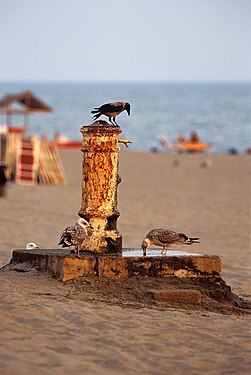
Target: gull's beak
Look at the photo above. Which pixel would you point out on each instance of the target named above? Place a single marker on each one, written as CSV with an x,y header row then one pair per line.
x,y
144,247
90,230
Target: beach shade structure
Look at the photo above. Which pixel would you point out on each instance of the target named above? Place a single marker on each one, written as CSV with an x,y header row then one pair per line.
x,y
24,103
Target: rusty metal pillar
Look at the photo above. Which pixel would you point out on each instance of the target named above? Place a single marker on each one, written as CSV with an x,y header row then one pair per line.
x,y
99,187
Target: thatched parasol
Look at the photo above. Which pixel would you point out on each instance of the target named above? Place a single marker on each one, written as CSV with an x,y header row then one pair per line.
x,y
26,103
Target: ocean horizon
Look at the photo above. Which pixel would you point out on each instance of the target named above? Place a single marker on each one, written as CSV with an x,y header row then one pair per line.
x,y
219,112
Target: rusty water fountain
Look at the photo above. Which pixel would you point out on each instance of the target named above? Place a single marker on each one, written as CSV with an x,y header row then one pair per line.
x,y
99,187
102,253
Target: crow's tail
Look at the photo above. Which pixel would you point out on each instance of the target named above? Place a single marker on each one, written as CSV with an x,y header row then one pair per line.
x,y
96,116
95,110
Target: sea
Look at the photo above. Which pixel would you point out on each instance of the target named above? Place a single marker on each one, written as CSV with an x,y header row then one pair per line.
x,y
219,113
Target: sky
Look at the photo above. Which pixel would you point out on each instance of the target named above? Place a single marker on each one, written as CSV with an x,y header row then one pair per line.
x,y
125,40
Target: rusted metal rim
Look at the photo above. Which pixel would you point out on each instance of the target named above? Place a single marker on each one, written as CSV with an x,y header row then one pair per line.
x,y
101,127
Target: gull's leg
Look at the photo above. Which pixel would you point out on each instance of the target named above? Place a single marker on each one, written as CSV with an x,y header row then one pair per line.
x,y
164,250
78,250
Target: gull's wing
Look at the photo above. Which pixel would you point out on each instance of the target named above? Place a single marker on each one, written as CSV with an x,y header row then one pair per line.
x,y
164,236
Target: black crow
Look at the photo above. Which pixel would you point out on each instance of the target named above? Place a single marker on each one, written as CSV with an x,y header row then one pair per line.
x,y
111,110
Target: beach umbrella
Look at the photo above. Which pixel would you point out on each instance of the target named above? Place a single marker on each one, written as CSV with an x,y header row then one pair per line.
x,y
25,103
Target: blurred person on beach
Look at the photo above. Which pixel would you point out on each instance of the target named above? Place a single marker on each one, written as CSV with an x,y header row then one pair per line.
x,y
194,138
3,180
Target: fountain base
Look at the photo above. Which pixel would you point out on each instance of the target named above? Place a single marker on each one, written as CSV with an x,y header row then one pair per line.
x,y
65,266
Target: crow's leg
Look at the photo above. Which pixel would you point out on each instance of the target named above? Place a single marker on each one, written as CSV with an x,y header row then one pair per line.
x,y
114,119
110,119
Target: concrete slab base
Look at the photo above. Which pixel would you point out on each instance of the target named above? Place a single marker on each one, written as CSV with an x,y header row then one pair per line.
x,y
65,266
186,296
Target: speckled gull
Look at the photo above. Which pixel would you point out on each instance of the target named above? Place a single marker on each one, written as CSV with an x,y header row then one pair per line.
x,y
76,234
167,239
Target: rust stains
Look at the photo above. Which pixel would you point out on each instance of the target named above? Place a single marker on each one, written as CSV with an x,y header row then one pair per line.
x,y
99,186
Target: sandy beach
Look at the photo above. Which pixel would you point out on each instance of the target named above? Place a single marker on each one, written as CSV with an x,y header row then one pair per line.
x,y
50,327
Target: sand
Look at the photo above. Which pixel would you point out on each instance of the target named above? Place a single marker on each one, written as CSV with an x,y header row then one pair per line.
x,y
50,327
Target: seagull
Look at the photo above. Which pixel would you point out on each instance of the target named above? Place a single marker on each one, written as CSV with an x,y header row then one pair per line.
x,y
31,246
166,238
76,234
111,110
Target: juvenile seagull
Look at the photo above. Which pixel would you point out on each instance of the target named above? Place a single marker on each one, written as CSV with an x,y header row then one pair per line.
x,y
111,110
31,246
166,238
75,235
